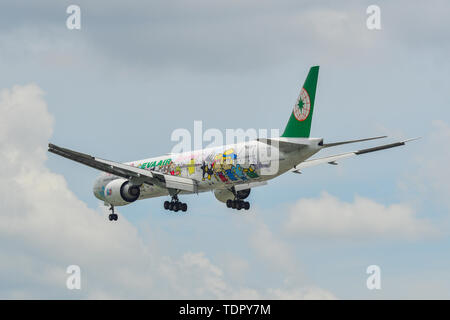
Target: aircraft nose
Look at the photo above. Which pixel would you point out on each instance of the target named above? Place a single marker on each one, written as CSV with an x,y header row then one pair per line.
x,y
99,188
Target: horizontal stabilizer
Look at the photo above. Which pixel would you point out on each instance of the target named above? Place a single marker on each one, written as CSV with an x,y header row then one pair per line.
x,y
327,145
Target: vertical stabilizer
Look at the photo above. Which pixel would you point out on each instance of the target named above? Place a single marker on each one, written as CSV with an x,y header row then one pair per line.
x,y
299,124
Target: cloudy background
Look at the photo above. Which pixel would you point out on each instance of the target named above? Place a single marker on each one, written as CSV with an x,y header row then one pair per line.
x,y
135,72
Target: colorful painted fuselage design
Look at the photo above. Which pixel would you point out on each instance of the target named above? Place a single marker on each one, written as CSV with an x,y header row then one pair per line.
x,y
218,167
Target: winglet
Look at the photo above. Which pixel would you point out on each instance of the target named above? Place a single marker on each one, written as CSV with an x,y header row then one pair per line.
x,y
412,139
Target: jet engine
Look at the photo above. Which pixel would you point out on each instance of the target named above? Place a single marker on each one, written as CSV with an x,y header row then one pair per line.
x,y
224,194
120,192
243,194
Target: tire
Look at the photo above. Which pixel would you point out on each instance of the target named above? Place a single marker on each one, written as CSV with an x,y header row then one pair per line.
x,y
246,205
239,205
229,203
171,204
184,207
176,207
166,205
233,204
110,217
115,217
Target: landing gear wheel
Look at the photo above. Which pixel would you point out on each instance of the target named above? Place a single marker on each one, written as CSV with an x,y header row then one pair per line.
x,y
112,216
166,205
238,204
175,205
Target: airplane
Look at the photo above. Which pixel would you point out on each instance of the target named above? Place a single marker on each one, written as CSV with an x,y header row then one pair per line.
x,y
230,171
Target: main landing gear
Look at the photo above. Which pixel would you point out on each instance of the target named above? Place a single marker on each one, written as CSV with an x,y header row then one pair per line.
x,y
175,205
238,204
113,216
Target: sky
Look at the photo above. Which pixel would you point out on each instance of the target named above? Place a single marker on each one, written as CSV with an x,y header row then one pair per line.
x,y
118,87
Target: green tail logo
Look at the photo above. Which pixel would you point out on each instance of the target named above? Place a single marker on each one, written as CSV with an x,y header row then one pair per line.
x,y
299,124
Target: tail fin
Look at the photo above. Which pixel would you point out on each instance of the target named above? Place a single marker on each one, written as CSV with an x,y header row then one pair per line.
x,y
299,124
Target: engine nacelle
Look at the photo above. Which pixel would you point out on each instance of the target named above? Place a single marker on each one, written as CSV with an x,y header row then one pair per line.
x,y
224,194
243,194
120,192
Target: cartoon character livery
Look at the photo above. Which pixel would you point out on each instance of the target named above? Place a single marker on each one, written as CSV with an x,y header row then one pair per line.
x,y
230,171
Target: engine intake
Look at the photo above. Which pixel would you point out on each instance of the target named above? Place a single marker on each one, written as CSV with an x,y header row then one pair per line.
x,y
120,192
130,192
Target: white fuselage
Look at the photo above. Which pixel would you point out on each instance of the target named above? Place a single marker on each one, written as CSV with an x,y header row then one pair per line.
x,y
222,167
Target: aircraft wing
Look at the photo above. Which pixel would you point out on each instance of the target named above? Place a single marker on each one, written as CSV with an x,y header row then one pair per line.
x,y
137,175
332,159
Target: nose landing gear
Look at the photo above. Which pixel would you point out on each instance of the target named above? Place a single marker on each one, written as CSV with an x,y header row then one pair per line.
x,y
112,216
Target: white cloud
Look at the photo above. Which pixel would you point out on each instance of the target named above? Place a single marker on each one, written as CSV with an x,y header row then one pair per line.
x,y
329,217
275,252
44,228
235,266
